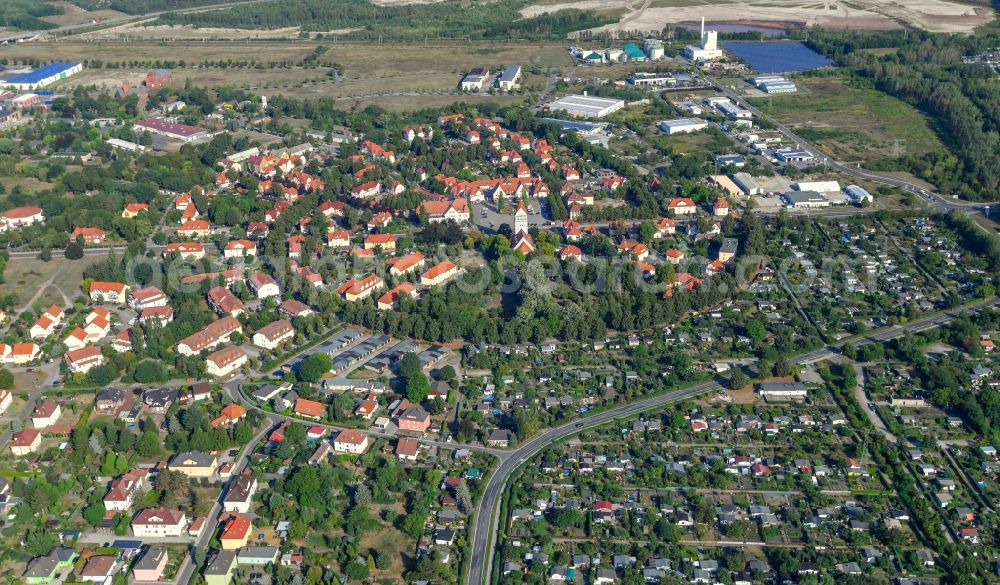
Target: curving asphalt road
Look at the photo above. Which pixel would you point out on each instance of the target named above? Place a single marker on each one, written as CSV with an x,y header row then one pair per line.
x,y
486,521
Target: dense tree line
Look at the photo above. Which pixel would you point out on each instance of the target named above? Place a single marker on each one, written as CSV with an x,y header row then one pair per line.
x,y
27,14
398,21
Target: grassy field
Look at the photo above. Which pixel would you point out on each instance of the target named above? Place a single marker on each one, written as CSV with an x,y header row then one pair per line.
x,y
394,77
206,77
56,281
193,52
27,184
852,124
357,59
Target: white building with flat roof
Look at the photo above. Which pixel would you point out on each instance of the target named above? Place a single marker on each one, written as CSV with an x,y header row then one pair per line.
x,y
731,110
783,86
509,78
821,186
789,155
585,106
683,125
747,184
858,195
641,79
805,200
125,145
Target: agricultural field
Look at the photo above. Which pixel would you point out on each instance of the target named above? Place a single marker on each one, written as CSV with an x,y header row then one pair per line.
x,y
852,124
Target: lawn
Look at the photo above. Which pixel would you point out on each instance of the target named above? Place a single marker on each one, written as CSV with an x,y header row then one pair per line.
x,y
852,124
44,283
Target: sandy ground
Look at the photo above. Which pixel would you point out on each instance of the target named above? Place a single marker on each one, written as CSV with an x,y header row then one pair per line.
x,y
932,15
140,30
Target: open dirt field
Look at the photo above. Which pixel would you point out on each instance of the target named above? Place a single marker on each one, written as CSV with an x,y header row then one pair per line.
x,y
402,103
140,30
206,77
650,15
27,184
26,381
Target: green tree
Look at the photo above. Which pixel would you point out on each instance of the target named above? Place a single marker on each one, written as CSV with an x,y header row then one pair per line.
x,y
108,466
409,365
94,513
295,435
647,232
525,423
149,371
121,463
74,251
39,542
357,571
313,367
417,387
149,443
6,379
242,433
567,517
447,374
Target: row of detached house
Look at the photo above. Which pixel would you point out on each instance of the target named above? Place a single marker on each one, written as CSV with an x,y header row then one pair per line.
x,y
115,402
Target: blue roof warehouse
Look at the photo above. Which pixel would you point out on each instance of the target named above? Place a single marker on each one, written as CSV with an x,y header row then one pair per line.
x,y
41,77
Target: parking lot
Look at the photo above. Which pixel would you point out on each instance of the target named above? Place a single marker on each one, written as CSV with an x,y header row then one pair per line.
x,y
488,220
